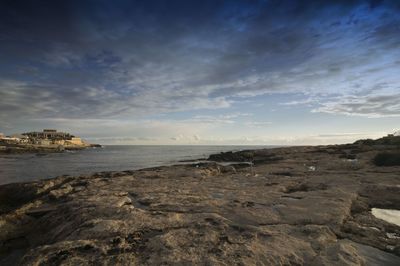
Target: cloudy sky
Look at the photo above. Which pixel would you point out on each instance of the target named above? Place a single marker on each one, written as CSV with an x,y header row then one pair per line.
x,y
201,72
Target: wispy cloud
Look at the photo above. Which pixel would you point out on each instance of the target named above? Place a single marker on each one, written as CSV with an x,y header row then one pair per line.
x,y
99,68
130,60
373,106
258,123
300,102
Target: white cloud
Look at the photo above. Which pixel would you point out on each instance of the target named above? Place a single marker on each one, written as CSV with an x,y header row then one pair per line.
x,y
372,106
300,102
260,124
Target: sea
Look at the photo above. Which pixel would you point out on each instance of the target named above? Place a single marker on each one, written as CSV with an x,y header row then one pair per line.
x,y
30,167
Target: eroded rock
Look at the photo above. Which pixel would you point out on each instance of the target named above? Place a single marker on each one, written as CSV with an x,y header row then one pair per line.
x,y
275,212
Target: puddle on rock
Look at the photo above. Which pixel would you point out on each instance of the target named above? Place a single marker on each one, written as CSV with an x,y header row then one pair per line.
x,y
217,195
390,216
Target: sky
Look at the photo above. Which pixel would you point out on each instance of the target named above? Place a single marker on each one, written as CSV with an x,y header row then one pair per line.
x,y
214,72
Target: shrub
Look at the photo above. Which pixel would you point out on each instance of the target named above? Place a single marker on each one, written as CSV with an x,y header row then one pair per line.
x,y
387,159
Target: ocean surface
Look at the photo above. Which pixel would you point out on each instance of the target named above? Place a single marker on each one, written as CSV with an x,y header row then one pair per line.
x,y
28,167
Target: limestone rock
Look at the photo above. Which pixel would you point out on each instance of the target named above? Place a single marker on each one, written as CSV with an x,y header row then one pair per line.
x,y
274,213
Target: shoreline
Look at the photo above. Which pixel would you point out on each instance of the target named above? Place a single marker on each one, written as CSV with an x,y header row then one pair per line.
x,y
31,148
69,163
301,204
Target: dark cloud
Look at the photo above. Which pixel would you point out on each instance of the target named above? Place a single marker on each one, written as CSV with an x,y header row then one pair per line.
x,y
125,58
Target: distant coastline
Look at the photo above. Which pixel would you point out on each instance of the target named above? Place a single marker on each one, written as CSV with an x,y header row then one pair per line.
x,y
46,141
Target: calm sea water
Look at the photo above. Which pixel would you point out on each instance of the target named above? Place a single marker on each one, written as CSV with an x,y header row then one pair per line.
x,y
28,167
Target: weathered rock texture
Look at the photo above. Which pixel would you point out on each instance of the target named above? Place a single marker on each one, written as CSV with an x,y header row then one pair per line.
x,y
294,206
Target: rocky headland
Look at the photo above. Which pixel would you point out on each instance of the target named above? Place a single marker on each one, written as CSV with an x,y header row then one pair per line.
x,y
51,148
283,206
47,141
29,148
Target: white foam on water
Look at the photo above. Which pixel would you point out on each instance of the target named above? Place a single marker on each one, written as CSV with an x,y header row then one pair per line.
x,y
390,216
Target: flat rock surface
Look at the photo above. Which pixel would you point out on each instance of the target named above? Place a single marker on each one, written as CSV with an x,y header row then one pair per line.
x,y
292,206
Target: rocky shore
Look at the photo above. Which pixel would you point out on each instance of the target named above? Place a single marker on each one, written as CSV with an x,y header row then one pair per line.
x,y
31,148
46,141
286,206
